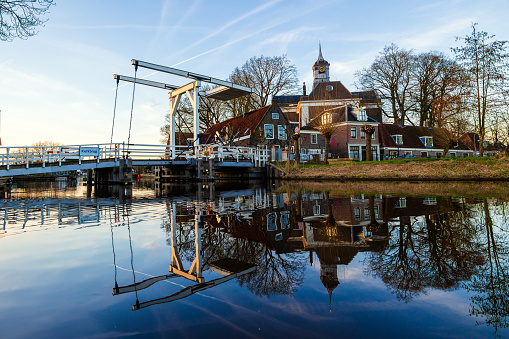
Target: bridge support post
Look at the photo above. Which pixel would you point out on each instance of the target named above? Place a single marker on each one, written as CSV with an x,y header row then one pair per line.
x,y
211,169
199,168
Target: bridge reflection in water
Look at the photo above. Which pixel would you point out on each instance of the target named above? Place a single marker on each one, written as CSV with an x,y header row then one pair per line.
x,y
258,237
264,240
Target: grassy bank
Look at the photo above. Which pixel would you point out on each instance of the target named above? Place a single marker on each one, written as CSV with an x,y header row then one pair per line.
x,y
467,189
485,168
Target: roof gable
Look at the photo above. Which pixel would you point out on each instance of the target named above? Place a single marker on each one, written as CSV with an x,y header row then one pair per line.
x,y
336,91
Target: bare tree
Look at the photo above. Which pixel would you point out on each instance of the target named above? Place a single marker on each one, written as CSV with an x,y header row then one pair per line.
x,y
326,126
369,130
268,76
485,61
440,84
19,18
390,76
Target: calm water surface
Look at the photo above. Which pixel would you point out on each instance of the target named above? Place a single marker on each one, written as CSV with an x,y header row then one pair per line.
x,y
249,260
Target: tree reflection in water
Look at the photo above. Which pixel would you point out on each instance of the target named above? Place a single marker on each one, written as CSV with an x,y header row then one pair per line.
x,y
432,251
413,244
491,301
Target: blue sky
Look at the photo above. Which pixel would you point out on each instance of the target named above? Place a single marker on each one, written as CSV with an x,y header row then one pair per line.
x,y
59,86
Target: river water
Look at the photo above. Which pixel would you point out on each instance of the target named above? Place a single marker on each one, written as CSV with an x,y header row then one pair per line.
x,y
252,260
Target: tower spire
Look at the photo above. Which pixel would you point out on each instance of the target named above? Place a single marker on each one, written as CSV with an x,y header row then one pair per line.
x,y
320,57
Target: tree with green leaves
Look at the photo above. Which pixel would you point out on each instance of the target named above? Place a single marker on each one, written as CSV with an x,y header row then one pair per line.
x,y
485,60
19,18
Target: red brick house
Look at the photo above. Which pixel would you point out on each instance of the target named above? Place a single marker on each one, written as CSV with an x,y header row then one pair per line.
x,y
264,127
417,141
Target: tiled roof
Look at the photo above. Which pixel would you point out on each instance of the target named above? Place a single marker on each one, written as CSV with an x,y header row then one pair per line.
x,y
288,99
411,136
338,91
241,125
340,114
293,117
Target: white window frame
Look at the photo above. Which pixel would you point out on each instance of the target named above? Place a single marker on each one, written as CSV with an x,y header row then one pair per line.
x,y
357,213
427,141
358,149
326,119
315,137
265,131
271,221
281,132
354,134
362,116
275,116
363,134
398,139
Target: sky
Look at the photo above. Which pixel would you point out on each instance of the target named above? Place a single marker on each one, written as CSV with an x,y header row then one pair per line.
x,y
58,85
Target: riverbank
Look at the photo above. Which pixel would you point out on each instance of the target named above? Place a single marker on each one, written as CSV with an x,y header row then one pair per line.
x,y
465,189
447,169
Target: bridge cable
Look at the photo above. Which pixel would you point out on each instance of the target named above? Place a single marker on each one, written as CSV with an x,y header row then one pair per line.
x,y
114,256
132,261
114,111
132,107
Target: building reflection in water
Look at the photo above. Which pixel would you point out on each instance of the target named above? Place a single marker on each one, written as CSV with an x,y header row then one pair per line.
x,y
258,237
415,243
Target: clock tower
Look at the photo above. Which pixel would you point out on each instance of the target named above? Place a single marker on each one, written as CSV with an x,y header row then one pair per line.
x,y
320,68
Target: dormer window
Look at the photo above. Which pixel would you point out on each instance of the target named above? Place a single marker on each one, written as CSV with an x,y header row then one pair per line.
x,y
427,141
275,116
326,119
398,139
362,116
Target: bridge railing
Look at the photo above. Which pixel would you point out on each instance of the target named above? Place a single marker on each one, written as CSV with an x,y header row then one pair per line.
x,y
28,156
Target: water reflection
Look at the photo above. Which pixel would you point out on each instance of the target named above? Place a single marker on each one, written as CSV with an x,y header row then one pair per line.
x,y
413,244
269,241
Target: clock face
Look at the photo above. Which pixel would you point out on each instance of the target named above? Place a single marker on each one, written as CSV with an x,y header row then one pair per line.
x,y
321,69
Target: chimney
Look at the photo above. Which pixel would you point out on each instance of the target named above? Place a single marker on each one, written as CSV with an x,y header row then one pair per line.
x,y
304,88
274,101
398,122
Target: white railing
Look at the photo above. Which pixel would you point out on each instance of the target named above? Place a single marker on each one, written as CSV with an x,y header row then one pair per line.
x,y
37,156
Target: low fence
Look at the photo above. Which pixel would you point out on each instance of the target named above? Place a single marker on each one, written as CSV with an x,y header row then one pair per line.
x,y
40,156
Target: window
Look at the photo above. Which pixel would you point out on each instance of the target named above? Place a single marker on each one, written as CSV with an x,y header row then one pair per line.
x,y
271,222
275,116
430,201
401,203
316,210
269,131
362,115
314,139
427,141
366,213
353,132
326,119
424,154
357,213
376,212
363,135
398,139
408,152
281,132
373,136
374,152
354,152
285,220
452,154
439,154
